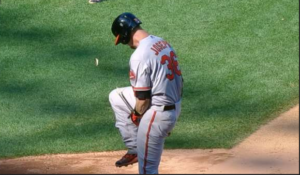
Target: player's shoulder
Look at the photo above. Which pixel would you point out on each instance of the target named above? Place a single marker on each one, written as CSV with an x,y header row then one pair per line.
x,y
149,40
148,48
155,39
143,48
137,55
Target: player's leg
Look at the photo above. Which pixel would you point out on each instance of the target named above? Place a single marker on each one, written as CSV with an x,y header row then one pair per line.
x,y
153,129
127,129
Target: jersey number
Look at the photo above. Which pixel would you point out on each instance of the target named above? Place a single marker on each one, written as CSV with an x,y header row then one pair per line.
x,y
172,65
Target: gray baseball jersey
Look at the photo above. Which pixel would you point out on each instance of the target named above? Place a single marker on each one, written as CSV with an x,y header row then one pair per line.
x,y
154,66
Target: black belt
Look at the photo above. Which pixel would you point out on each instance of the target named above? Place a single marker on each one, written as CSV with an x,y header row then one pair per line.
x,y
167,108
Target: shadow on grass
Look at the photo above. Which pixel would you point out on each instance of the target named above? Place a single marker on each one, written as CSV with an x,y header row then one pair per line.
x,y
14,87
61,136
82,124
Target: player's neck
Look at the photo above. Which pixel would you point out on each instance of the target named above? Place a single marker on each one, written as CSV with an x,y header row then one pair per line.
x,y
138,36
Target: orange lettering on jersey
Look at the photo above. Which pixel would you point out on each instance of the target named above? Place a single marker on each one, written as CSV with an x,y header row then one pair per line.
x,y
172,65
159,46
156,52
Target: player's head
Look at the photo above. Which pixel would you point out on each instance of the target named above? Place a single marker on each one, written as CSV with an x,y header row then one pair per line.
x,y
123,26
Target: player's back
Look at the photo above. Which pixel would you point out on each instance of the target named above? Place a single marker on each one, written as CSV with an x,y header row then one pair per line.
x,y
158,65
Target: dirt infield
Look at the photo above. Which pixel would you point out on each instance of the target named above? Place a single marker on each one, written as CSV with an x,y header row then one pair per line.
x,y
273,149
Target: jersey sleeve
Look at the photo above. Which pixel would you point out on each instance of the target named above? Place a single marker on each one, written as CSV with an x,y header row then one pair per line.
x,y
139,76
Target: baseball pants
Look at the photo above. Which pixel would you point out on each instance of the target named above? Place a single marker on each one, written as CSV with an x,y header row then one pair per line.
x,y
148,139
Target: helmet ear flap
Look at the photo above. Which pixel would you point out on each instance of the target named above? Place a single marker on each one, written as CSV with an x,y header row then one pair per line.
x,y
126,36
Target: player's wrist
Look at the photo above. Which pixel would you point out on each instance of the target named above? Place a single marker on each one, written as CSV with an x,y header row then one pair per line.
x,y
136,113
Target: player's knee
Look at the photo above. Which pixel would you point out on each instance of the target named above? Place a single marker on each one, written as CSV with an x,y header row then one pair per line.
x,y
112,96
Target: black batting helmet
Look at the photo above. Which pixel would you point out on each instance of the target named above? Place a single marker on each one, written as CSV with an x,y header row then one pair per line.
x,y
122,27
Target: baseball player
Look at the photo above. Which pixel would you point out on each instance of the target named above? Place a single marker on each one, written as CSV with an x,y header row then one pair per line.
x,y
146,111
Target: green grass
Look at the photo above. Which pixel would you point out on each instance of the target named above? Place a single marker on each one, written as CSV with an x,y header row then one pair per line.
x,y
239,59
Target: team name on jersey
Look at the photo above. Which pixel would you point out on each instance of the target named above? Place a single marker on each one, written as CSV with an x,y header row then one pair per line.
x,y
159,46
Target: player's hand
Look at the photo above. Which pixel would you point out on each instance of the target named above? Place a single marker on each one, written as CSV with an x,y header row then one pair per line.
x,y
135,118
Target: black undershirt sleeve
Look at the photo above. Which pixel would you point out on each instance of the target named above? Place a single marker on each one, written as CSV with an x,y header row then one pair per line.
x,y
142,95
